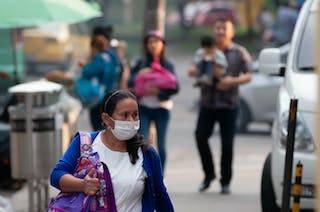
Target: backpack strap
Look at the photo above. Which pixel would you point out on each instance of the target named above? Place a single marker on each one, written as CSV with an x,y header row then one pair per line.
x,y
105,197
85,143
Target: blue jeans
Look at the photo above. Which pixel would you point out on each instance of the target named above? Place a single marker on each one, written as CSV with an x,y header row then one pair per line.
x,y
160,117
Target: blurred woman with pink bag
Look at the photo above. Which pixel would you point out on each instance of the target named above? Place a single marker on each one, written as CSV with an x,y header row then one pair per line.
x,y
154,81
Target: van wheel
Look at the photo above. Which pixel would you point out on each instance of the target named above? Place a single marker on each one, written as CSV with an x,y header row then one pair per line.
x,y
268,199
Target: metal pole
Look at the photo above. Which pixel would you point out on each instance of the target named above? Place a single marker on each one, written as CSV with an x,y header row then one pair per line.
x,y
286,192
39,194
296,192
29,128
46,194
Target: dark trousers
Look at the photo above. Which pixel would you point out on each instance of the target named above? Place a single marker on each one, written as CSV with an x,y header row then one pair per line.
x,y
160,117
206,121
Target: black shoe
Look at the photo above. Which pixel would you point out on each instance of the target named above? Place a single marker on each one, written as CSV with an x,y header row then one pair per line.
x,y
225,189
205,184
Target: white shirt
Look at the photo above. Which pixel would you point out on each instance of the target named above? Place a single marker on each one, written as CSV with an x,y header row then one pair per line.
x,y
128,180
153,102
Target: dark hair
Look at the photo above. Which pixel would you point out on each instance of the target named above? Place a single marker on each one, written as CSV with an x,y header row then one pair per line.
x,y
207,42
98,43
111,101
105,31
148,54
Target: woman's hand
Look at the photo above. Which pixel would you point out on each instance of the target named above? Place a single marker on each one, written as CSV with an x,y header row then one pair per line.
x,y
151,89
81,64
193,72
144,71
91,184
218,72
226,83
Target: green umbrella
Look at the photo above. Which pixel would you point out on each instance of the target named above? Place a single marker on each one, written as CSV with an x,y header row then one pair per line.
x,y
26,13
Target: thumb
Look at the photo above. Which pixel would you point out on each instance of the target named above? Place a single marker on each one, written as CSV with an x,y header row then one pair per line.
x,y
91,173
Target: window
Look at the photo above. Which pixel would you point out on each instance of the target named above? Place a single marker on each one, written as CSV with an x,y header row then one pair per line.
x,y
307,49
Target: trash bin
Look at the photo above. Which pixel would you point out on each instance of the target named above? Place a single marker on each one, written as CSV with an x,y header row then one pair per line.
x,y
46,137
35,137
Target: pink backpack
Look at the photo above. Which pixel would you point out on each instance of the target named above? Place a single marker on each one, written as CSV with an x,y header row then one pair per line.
x,y
78,201
159,76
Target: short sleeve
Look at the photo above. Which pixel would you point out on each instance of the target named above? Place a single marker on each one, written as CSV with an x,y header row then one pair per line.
x,y
246,60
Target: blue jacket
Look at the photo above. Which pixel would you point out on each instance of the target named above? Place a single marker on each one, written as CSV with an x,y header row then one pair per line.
x,y
155,196
104,66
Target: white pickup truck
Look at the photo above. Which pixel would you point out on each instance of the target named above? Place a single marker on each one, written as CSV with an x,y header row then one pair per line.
x,y
301,82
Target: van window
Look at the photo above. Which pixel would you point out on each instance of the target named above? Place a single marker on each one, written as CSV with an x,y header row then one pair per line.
x,y
306,54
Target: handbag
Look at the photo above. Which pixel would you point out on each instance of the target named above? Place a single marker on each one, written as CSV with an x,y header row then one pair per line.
x,y
158,76
103,201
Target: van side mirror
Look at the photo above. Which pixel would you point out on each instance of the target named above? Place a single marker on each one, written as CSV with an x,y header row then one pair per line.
x,y
270,62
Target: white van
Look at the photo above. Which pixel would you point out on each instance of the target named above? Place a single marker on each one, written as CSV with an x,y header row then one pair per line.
x,y
301,82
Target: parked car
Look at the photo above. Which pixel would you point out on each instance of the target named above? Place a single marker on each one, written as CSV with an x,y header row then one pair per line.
x,y
52,46
213,12
205,13
301,82
258,98
49,44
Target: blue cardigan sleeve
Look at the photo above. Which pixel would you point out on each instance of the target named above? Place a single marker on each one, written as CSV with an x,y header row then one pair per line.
x,y
163,202
68,162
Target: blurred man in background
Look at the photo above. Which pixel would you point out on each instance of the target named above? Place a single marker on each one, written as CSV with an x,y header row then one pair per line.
x,y
281,31
224,108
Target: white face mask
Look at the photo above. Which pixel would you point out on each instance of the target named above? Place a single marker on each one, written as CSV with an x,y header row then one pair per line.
x,y
125,130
